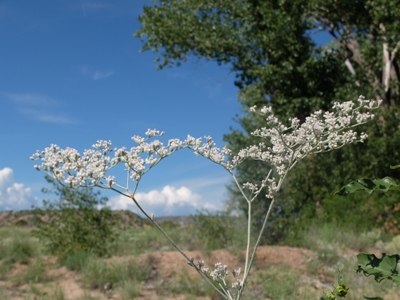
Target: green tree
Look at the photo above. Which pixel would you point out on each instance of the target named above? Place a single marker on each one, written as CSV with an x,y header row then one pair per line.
x,y
269,46
74,222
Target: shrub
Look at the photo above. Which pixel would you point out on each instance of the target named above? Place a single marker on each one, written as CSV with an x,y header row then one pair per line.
x,y
73,223
214,230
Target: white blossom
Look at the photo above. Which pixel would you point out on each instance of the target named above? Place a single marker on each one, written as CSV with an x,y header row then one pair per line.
x,y
220,272
281,147
74,169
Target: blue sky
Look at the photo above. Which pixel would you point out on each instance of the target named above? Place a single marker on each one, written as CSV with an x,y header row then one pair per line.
x,y
71,74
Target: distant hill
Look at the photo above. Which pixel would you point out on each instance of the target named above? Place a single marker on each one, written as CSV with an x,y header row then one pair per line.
x,y
128,219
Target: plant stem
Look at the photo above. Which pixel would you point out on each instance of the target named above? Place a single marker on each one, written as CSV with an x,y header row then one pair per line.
x,y
247,270
189,261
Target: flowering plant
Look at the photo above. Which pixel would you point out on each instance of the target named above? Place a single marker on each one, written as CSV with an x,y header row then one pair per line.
x,y
281,146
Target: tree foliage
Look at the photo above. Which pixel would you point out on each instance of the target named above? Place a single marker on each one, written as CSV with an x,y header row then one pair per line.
x,y
269,46
74,223
268,43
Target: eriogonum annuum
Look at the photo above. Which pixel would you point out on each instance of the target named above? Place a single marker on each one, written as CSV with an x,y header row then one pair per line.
x,y
321,132
74,169
281,146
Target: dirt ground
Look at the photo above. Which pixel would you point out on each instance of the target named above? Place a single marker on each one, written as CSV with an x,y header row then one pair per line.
x,y
166,266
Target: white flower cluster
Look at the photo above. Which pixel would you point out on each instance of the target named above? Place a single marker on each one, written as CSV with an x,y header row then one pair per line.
x,y
219,273
209,150
90,168
72,168
320,132
286,145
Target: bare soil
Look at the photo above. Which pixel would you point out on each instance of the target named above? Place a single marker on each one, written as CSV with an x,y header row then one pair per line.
x,y
167,265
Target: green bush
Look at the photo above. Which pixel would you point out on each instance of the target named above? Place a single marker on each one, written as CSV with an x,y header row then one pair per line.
x,y
214,230
74,222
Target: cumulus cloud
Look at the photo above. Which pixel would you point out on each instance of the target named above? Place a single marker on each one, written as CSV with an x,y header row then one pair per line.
x,y
169,201
13,196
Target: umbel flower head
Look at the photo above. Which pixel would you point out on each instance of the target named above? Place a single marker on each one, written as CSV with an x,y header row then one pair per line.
x,y
321,132
281,146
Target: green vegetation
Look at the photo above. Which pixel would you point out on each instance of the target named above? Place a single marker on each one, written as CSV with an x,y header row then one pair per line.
x,y
279,283
74,222
17,245
269,46
385,268
332,246
184,285
98,274
214,231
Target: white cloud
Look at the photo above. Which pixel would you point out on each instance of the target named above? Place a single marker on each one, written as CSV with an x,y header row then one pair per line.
x,y
32,99
47,117
95,74
170,201
100,75
40,108
13,196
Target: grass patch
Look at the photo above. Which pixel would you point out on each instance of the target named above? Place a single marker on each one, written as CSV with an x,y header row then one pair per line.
x,y
58,293
87,296
77,260
134,241
203,235
97,273
130,289
35,273
340,237
393,246
38,292
279,284
18,247
184,285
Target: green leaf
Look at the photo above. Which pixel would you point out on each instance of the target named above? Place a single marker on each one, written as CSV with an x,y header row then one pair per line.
x,y
384,268
395,167
369,185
